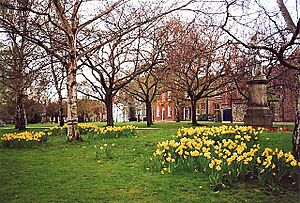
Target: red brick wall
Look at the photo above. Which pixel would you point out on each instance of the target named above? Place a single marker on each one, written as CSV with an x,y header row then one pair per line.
x,y
165,107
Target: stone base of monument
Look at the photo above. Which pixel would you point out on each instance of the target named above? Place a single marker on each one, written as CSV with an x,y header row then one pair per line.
x,y
44,119
259,117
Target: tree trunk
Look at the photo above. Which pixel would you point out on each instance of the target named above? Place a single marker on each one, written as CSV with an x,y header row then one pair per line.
x,y
61,110
177,111
20,121
149,113
194,117
296,134
73,132
109,110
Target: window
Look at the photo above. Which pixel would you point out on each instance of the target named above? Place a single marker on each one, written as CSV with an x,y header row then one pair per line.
x,y
202,106
157,112
169,95
217,107
169,111
163,97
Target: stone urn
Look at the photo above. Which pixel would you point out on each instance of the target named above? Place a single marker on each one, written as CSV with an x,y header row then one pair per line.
x,y
258,113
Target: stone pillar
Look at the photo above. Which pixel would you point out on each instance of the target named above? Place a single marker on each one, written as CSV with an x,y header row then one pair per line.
x,y
258,112
44,116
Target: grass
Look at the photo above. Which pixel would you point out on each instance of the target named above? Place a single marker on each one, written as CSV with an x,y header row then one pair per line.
x,y
62,172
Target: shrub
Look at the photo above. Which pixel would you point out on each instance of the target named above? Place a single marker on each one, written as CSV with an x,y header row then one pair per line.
x,y
202,117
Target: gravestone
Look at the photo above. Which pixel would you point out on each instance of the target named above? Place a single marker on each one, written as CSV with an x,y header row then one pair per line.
x,y
258,112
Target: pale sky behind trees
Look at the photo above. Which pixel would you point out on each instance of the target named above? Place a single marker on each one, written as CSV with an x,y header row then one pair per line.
x,y
208,6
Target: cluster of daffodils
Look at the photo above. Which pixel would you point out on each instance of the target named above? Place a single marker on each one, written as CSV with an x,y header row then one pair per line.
x,y
107,148
58,127
57,130
116,131
274,165
23,139
94,131
226,153
246,133
86,128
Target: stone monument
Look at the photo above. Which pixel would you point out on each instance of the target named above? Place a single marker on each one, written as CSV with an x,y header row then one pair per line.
x,y
44,116
258,112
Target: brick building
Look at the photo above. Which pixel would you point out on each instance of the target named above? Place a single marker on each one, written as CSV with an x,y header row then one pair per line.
x,y
168,108
230,106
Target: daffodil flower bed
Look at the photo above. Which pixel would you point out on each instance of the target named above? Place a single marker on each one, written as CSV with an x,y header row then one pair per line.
x,y
24,139
116,131
94,131
227,154
57,130
84,128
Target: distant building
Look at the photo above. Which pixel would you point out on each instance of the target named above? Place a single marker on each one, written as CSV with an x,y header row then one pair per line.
x,y
120,113
167,108
164,108
230,106
133,111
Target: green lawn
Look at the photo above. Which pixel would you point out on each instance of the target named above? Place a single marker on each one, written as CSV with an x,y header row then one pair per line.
x,y
62,172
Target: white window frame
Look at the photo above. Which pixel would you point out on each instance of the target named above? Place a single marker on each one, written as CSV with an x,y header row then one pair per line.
x,y
169,95
163,97
169,111
157,111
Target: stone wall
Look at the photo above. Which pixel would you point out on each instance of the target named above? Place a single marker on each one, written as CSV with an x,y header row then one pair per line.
x,y
238,112
276,110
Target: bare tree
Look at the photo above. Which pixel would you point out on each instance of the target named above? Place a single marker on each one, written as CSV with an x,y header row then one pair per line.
x,y
58,69
196,60
134,50
58,78
71,19
117,64
64,16
145,88
21,61
274,33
